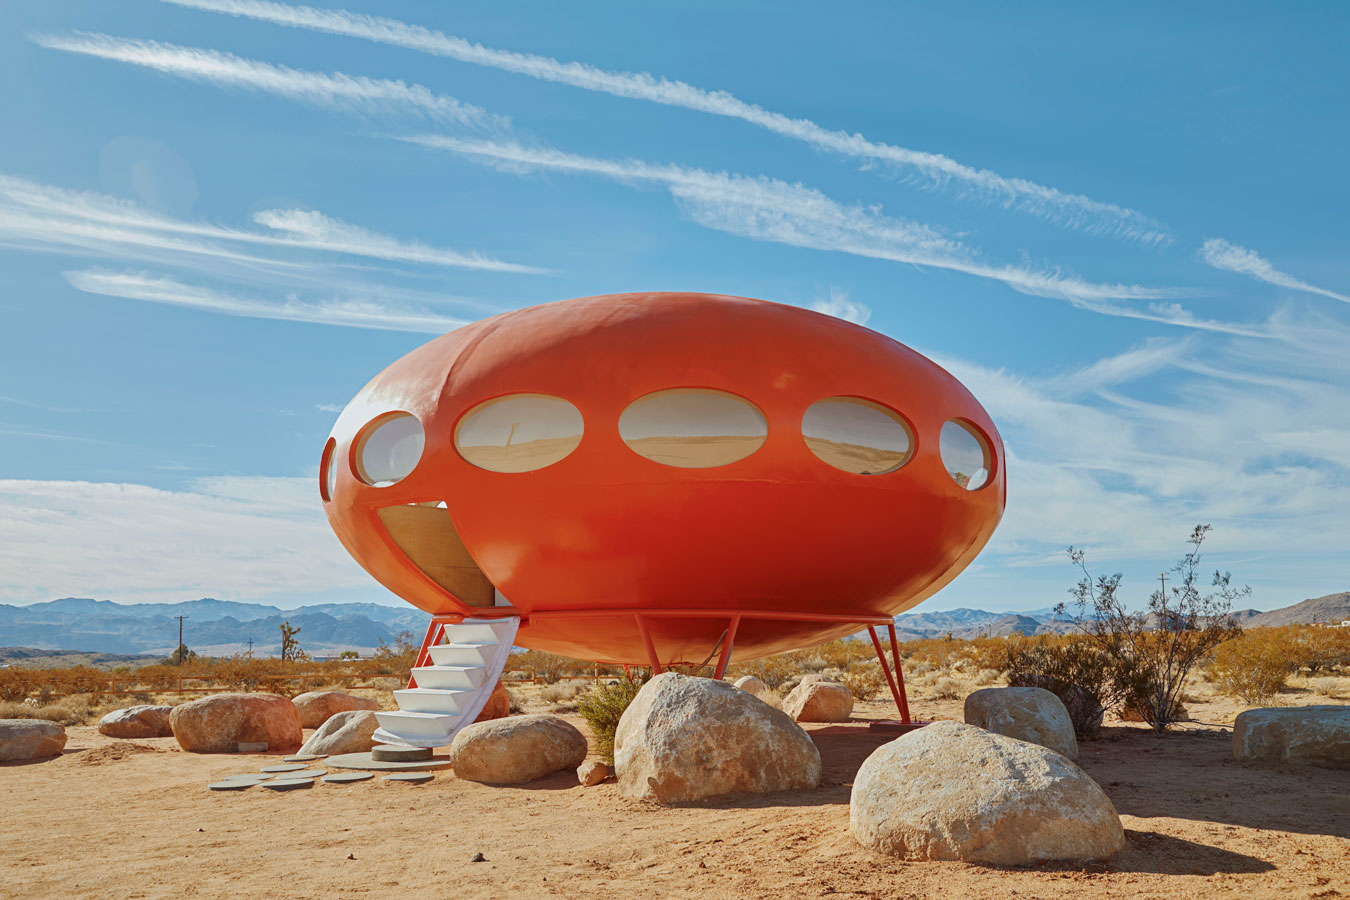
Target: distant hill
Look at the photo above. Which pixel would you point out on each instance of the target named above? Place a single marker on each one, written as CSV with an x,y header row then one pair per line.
x,y
1332,608
213,627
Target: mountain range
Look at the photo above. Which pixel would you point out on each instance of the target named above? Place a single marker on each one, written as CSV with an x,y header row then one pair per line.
x,y
224,627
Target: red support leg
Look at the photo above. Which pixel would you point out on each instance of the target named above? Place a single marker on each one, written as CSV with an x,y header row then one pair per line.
x,y
899,676
435,628
726,648
900,703
651,648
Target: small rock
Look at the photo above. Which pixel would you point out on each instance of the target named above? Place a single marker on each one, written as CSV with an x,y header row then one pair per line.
x,y
351,856
344,732
1025,713
751,685
516,749
22,739
954,791
317,707
137,722
478,857
1316,735
592,772
819,700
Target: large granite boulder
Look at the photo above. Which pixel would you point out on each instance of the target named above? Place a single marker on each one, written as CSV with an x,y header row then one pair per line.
x,y
220,723
751,684
22,739
344,732
1026,713
1316,735
685,738
819,700
317,707
137,722
498,705
954,791
516,749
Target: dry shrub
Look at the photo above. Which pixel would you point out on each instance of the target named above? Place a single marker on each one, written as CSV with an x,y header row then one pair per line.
x,y
987,676
1074,668
549,668
80,709
603,707
1253,667
947,688
1326,686
516,703
562,696
864,681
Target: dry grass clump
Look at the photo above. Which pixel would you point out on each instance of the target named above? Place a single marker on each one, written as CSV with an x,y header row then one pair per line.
x,y
78,709
1327,687
864,681
562,697
947,688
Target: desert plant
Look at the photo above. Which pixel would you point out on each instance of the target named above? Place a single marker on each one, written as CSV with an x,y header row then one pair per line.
x,y
604,706
1154,650
1252,668
1326,687
1075,669
864,681
946,688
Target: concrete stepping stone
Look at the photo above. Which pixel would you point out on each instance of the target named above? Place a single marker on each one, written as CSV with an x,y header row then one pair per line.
x,y
411,777
304,757
307,773
399,753
365,762
250,778
288,784
347,777
287,767
232,785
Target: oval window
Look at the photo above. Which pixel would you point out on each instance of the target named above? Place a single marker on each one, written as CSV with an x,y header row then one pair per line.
x,y
965,454
693,428
389,448
328,471
856,435
519,432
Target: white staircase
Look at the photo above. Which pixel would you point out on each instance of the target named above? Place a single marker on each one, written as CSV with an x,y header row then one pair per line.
x,y
450,693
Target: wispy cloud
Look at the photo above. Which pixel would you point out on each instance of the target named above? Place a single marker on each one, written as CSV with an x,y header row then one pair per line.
x,y
1070,209
351,313
378,97
236,537
1222,255
41,216
767,209
841,306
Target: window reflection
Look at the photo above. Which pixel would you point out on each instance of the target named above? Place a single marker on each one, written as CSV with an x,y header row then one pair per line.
x,y
519,432
389,449
693,428
856,435
965,454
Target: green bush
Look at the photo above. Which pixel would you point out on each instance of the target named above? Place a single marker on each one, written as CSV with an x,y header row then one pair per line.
x,y
603,707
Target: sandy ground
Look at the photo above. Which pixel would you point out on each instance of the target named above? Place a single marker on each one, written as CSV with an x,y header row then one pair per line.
x,y
114,819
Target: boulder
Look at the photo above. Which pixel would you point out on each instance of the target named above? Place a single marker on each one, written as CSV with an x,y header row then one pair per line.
x,y
137,722
317,707
516,749
819,701
1085,711
751,684
592,772
344,732
1027,713
954,791
498,705
22,739
1316,735
685,738
220,723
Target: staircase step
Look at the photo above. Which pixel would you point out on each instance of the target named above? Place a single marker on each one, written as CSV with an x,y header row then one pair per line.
x,y
416,727
433,700
450,678
462,654
478,631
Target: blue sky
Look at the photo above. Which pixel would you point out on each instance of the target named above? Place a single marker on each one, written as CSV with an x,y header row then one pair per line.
x,y
1125,231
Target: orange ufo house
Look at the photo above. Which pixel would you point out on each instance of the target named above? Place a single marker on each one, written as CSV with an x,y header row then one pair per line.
x,y
655,479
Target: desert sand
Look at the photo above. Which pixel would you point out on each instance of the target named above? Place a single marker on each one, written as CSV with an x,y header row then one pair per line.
x,y
134,819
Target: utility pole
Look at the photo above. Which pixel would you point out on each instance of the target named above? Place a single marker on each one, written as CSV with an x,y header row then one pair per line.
x,y
250,648
179,652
